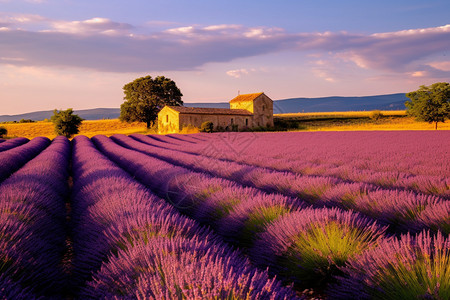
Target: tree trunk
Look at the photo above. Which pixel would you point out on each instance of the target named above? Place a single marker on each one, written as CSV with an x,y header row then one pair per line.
x,y
148,124
435,125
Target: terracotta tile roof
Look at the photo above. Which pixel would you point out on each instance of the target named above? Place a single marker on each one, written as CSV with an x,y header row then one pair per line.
x,y
246,97
210,111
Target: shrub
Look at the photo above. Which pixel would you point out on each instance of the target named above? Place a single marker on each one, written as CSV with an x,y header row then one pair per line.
x,y
207,126
189,129
66,123
376,115
26,121
153,129
3,131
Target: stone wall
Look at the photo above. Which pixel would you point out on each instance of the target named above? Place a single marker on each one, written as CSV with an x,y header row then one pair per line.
x,y
224,121
263,111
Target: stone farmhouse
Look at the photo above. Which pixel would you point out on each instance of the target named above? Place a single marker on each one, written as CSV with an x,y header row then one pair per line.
x,y
246,111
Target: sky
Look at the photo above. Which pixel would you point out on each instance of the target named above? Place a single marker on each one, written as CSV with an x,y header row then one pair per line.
x,y
59,54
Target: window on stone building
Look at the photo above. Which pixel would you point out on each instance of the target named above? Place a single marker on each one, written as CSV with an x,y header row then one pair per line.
x,y
246,122
232,121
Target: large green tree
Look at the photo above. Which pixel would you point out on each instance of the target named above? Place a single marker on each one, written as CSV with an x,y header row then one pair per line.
x,y
145,97
66,123
430,103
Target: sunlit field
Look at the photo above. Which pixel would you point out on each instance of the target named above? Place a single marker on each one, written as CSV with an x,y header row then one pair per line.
x,y
356,121
283,215
87,128
342,114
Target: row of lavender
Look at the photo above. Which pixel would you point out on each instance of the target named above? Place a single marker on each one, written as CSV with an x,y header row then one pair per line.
x,y
121,242
388,149
18,152
9,144
129,243
308,246
231,214
400,209
387,159
32,218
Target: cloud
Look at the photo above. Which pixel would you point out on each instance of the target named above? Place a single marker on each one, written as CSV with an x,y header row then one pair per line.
x,y
396,51
91,27
237,73
105,45
440,65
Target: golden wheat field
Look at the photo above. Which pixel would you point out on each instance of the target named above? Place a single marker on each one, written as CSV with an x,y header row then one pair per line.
x,y
88,128
358,121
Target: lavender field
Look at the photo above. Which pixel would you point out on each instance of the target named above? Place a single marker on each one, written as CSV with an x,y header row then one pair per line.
x,y
329,215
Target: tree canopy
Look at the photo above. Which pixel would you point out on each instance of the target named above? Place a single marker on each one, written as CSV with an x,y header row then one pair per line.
x,y
66,123
145,97
430,103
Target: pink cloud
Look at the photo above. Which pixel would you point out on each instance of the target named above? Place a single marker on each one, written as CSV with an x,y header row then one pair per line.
x,y
105,45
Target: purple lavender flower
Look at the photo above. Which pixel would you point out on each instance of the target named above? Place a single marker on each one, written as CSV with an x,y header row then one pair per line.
x,y
182,269
435,217
400,209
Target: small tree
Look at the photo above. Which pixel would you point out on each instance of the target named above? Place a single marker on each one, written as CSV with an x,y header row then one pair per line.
x,y
430,103
145,97
207,127
3,131
376,115
66,123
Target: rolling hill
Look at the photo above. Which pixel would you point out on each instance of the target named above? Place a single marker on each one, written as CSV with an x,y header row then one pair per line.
x,y
293,105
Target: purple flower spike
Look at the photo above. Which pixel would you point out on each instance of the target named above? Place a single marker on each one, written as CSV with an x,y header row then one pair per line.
x,y
436,217
182,269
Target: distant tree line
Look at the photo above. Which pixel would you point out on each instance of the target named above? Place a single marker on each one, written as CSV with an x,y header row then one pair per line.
x,y
20,121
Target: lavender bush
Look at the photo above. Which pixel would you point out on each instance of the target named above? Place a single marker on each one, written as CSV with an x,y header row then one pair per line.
x,y
12,159
309,246
404,268
182,269
32,221
9,144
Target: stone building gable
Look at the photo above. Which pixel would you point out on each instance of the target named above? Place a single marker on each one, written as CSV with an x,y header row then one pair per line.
x,y
246,97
